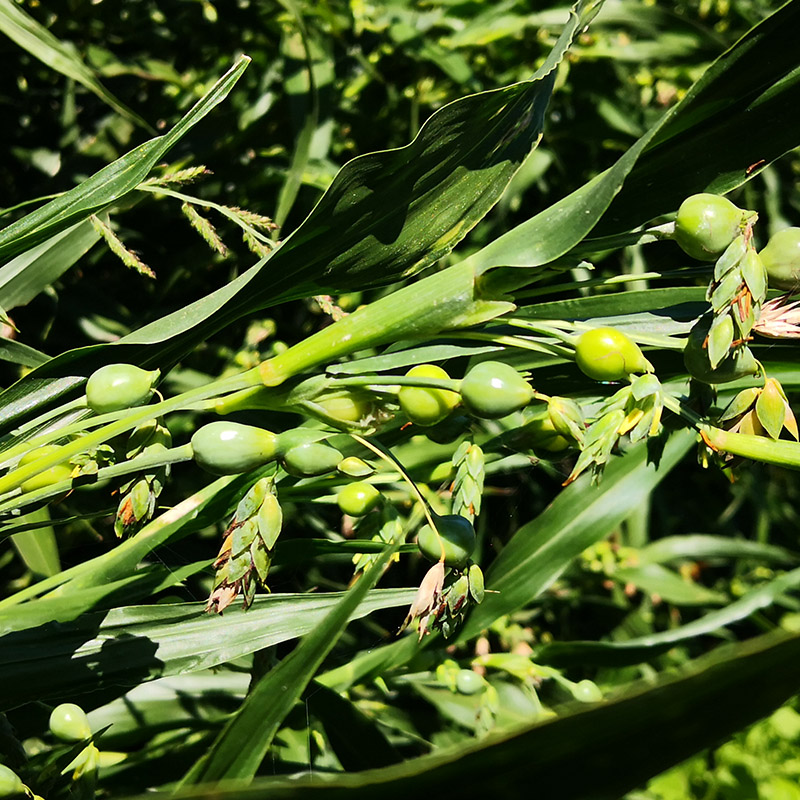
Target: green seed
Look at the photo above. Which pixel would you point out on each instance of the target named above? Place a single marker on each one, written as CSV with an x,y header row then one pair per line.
x,y
706,224
228,448
10,783
68,722
492,390
118,386
427,406
606,354
55,474
357,499
469,682
310,459
738,364
781,258
454,542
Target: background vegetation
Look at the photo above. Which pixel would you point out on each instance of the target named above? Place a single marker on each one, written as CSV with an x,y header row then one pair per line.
x,y
654,585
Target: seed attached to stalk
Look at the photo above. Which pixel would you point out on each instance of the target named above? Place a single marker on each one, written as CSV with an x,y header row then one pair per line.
x,y
425,406
493,389
452,542
228,448
118,386
706,224
606,354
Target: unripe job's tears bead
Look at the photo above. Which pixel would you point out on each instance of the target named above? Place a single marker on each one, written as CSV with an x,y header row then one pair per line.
x,y
357,499
69,723
455,540
493,389
310,459
606,354
118,386
424,406
54,474
706,224
228,448
781,259
10,783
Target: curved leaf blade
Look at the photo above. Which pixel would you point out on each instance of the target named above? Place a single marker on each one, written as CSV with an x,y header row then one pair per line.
x,y
580,516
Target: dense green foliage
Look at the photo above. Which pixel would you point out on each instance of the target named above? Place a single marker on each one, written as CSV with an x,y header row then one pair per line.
x,y
288,285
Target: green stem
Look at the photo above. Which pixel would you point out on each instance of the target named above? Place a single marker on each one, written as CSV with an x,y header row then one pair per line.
x,y
142,463
442,301
779,452
515,341
386,456
130,419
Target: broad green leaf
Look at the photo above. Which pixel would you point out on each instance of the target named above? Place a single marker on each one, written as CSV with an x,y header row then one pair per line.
x,y
131,644
144,583
38,549
654,727
644,648
359,743
735,120
160,705
655,579
212,503
702,547
58,55
739,113
25,276
242,744
18,353
113,181
581,515
385,216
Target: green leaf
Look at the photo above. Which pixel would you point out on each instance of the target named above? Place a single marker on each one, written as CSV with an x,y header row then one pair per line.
x,y
580,516
654,579
241,746
739,113
58,55
131,644
38,549
655,728
359,743
386,215
644,648
702,547
25,276
735,120
18,353
113,181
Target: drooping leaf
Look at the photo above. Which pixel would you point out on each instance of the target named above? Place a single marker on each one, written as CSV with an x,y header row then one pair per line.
x,y
113,181
58,55
654,726
243,742
642,648
131,644
385,216
740,113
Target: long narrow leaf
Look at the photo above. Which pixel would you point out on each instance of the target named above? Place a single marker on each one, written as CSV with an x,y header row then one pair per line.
x,y
41,44
243,743
653,727
113,181
129,645
580,516
642,648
